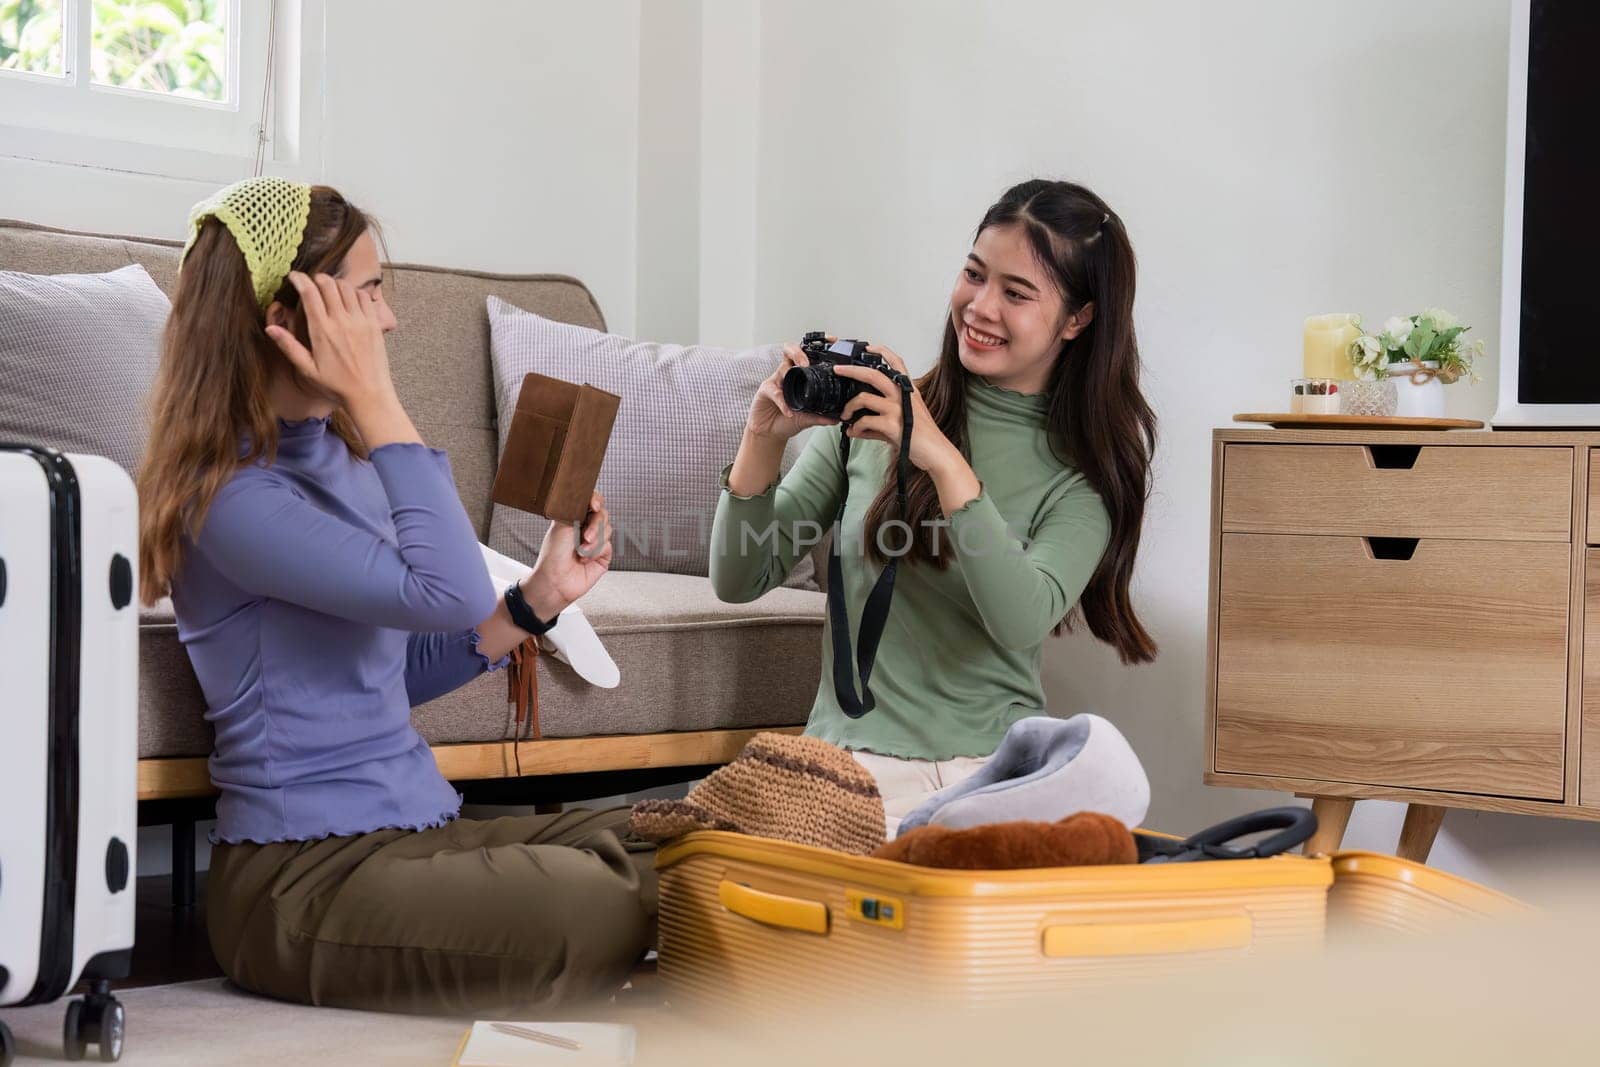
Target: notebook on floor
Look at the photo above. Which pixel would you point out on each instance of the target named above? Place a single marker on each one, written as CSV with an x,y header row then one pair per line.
x,y
484,1046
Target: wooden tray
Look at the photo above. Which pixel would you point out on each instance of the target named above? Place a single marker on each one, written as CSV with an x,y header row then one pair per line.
x,y
1290,420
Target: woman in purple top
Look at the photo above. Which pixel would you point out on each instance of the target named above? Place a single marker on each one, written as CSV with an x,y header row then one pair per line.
x,y
325,578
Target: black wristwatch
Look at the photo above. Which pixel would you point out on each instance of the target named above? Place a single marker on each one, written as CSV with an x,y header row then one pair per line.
x,y
522,612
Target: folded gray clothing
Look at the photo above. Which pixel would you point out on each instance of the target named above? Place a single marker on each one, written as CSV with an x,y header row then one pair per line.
x,y
1044,770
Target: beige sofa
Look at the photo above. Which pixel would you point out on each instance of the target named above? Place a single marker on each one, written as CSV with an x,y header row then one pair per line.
x,y
698,676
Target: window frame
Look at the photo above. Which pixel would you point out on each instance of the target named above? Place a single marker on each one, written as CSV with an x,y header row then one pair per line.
x,y
67,119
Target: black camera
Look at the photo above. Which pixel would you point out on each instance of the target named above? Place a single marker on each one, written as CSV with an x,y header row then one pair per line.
x,y
816,389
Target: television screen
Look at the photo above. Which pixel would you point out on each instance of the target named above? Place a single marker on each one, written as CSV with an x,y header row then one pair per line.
x,y
1559,362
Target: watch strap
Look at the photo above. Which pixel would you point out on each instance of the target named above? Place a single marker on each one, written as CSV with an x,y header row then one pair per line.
x,y
522,612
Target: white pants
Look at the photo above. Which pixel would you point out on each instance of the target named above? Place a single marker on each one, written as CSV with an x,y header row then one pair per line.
x,y
906,783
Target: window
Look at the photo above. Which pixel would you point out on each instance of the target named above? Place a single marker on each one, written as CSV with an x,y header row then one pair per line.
x,y
172,87
178,47
31,32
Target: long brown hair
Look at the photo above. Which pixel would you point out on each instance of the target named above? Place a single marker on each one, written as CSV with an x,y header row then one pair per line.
x,y
211,390
1098,420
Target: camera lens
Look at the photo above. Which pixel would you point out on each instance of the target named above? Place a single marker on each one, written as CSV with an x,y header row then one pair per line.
x,y
813,389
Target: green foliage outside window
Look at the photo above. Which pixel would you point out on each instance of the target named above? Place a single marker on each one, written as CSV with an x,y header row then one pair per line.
x,y
166,46
30,36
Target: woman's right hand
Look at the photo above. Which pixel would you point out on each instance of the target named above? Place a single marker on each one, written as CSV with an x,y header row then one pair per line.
x,y
770,417
347,358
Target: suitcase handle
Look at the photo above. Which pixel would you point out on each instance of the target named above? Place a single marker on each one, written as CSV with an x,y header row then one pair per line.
x,y
1105,939
773,909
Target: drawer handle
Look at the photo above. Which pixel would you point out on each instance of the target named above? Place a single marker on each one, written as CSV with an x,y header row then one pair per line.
x,y
1394,457
1391,547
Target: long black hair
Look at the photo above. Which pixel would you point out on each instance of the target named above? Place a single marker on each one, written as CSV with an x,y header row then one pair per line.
x,y
1099,421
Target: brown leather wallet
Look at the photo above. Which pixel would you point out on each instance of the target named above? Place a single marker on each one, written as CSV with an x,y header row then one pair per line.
x,y
551,460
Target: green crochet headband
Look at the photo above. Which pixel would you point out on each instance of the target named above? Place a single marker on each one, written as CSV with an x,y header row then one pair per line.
x,y
267,217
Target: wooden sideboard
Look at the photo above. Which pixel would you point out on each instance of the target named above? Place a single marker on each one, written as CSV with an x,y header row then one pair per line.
x,y
1401,615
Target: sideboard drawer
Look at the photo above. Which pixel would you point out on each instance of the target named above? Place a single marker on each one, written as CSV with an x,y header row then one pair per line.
x,y
1446,670
1479,492
1589,696
1592,521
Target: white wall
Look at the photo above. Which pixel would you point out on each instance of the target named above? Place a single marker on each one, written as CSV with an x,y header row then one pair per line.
x,y
668,172
497,136
732,171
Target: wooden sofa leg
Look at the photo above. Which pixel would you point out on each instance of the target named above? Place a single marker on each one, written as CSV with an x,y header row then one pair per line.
x,y
1333,815
1417,834
183,872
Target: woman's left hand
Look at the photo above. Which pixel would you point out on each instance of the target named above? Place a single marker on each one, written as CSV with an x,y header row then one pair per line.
x,y
567,568
880,418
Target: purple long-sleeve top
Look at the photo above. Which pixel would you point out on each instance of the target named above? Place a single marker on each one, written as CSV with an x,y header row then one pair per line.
x,y
324,596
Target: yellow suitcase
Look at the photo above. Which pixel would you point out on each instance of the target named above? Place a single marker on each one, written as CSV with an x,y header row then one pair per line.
x,y
1374,893
756,925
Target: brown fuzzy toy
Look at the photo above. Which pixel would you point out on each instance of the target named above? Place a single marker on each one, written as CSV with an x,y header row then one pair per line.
x,y
1083,840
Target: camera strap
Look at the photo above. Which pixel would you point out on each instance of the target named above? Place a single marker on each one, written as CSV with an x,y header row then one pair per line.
x,y
876,611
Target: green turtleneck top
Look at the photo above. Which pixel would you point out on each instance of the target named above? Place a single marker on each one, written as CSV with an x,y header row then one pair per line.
x,y
960,657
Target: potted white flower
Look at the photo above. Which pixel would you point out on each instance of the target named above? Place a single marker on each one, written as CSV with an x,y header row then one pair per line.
x,y
1420,355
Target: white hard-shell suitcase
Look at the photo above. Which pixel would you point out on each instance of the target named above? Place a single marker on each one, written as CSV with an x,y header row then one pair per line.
x,y
69,707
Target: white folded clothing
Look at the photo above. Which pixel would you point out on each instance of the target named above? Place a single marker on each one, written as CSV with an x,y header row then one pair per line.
x,y
572,640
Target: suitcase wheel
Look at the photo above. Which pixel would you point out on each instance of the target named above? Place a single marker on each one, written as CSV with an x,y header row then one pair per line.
x,y
73,1041
8,1046
97,1019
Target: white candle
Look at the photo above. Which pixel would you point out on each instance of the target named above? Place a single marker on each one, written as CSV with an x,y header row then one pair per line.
x,y
1327,346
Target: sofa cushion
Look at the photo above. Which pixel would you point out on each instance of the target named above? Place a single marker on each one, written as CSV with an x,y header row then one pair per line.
x,y
688,662
171,706
682,416
77,355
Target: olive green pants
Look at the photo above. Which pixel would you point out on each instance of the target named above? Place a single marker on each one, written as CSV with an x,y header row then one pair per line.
x,y
472,918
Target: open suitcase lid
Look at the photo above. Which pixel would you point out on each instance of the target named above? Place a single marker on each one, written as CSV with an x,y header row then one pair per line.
x,y
1275,872
1340,869
1249,852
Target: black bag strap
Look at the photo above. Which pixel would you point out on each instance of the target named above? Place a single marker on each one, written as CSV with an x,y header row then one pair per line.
x,y
875,613
1296,825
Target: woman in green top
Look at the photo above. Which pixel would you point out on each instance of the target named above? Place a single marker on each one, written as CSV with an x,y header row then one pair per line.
x,y
1030,448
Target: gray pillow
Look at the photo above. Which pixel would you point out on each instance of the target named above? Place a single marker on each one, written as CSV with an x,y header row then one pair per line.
x,y
77,355
680,422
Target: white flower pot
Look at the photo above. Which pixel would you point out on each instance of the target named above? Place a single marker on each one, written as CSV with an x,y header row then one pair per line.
x,y
1414,400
